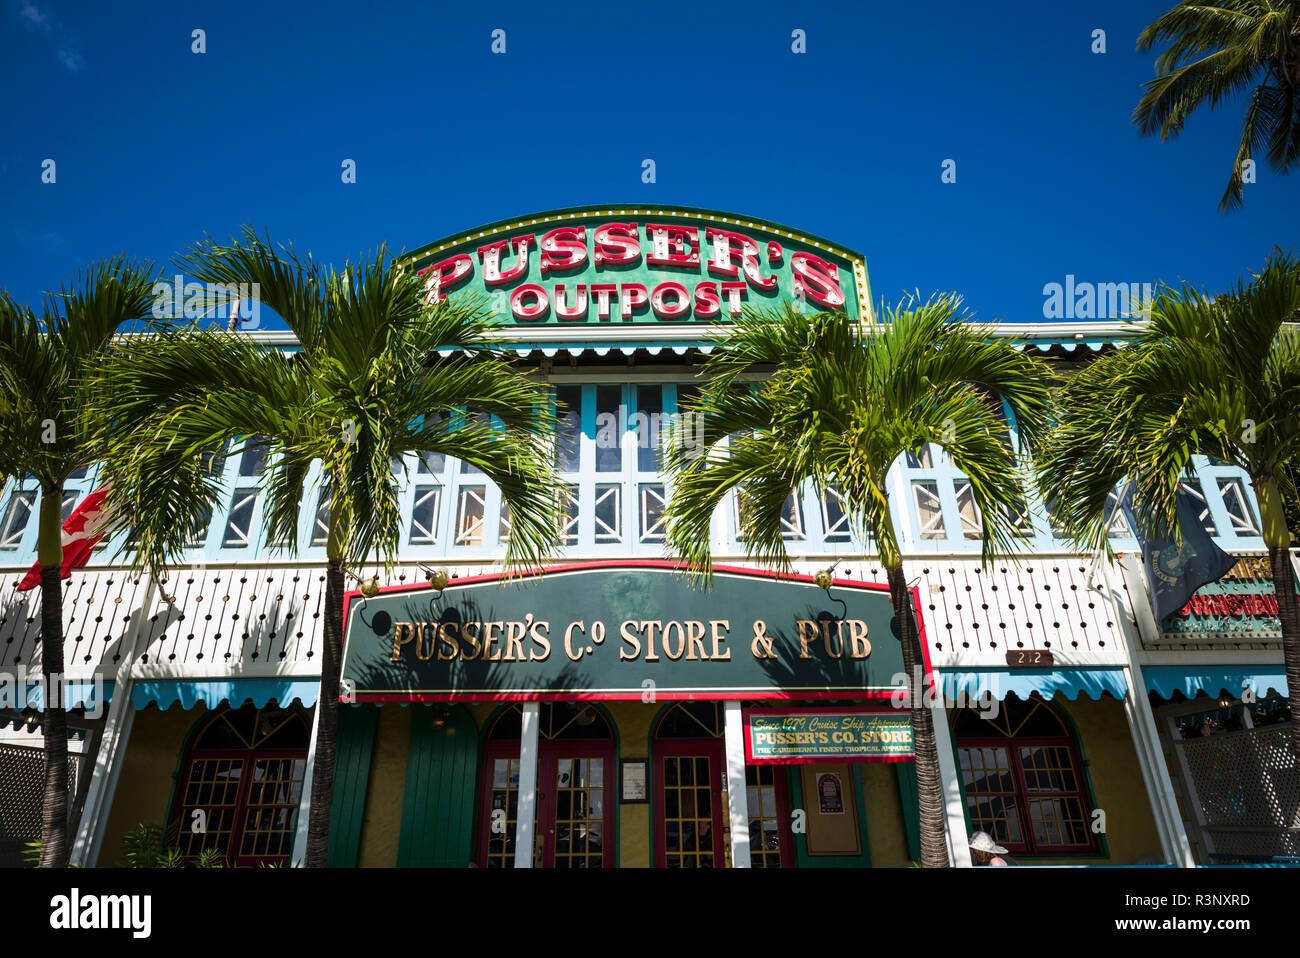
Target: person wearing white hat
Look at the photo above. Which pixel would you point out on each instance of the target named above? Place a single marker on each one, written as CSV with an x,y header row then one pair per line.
x,y
984,851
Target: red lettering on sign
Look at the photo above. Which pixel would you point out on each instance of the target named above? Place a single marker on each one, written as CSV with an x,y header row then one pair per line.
x,y
681,305
579,308
527,312
817,280
490,256
672,245
564,249
447,275
617,244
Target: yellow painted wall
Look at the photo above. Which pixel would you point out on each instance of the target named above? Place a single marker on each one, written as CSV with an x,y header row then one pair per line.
x,y
153,754
634,720
1118,789
886,830
381,826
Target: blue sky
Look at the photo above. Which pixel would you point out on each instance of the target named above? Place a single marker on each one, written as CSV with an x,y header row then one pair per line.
x,y
155,145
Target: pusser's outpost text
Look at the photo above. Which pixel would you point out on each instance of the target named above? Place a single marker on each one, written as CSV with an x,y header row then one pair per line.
x,y
642,630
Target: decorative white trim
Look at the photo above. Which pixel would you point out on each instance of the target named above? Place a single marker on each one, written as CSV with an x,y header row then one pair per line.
x,y
737,791
299,853
527,807
954,800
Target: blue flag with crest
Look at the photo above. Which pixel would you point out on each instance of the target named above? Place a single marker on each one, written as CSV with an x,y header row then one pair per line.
x,y
1175,572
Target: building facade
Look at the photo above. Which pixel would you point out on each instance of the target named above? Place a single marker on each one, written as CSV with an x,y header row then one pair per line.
x,y
606,714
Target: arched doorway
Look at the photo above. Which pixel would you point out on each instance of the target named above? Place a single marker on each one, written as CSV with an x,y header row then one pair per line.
x,y
690,813
240,783
576,788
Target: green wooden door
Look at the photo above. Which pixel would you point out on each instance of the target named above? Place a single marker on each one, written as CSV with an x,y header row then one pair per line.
x,y
438,806
356,741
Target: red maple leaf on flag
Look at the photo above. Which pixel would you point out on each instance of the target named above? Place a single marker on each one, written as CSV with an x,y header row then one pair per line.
x,y
85,527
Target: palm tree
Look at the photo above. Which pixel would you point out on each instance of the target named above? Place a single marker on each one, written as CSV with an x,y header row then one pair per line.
x,y
1214,375
46,366
843,403
1219,48
366,386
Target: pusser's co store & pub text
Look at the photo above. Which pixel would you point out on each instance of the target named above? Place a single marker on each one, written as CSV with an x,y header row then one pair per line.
x,y
608,714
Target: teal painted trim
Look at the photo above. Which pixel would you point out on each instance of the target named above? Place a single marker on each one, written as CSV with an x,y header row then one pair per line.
x,y
356,740
189,692
909,796
1213,681
441,788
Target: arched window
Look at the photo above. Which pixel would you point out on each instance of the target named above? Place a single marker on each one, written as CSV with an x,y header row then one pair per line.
x,y
1023,779
240,783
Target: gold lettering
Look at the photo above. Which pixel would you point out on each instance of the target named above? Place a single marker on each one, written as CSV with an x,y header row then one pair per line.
x,y
422,631
627,635
826,638
407,628
469,634
488,638
681,639
447,640
694,640
581,626
807,633
718,629
541,638
859,647
514,643
649,626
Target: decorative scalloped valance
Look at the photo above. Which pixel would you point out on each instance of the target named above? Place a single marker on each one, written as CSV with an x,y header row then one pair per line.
x,y
1215,680
188,692
958,684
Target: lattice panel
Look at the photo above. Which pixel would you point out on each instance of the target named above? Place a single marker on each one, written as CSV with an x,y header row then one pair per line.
x,y
98,610
1246,778
22,788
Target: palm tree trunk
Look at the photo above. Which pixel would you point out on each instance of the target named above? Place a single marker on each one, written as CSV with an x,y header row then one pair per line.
x,y
322,776
54,805
1278,539
934,850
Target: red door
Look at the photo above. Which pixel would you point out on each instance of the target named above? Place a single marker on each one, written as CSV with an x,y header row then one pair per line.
x,y
575,794
689,775
691,811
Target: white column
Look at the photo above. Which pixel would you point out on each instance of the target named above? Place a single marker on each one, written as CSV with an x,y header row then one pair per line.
x,y
524,819
112,745
954,808
103,781
1142,725
299,853
737,791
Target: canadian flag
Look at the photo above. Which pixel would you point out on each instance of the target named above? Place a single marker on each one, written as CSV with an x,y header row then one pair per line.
x,y
84,528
